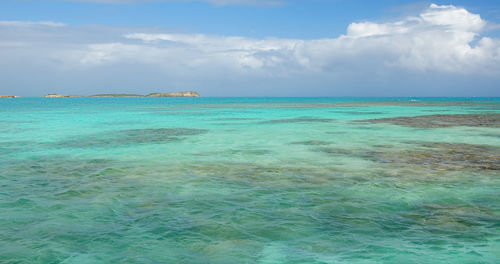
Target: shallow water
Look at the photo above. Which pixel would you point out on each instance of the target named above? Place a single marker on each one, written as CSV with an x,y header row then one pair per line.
x,y
249,180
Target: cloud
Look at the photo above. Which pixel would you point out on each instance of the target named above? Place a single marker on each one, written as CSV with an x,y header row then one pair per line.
x,y
442,41
31,23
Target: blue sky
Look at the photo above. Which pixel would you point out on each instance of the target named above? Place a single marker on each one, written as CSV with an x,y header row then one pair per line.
x,y
307,19
251,47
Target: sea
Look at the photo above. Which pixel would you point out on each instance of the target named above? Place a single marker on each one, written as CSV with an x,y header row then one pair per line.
x,y
250,180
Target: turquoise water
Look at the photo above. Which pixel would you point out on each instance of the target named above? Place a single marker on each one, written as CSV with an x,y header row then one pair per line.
x,y
248,180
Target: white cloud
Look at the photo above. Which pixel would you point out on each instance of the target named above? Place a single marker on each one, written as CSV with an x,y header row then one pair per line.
x,y
455,18
31,23
441,40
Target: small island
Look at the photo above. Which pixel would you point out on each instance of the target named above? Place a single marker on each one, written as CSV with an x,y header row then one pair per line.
x,y
8,96
176,94
60,95
116,95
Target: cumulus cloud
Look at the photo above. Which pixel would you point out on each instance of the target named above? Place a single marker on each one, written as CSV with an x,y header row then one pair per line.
x,y
440,40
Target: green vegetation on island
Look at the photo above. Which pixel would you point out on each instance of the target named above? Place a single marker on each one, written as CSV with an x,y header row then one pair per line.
x,y
60,95
175,94
116,95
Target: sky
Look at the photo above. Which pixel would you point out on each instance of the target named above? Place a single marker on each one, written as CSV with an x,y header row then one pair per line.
x,y
251,47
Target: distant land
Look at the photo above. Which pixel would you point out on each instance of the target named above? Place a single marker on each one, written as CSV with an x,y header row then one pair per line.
x,y
116,95
8,96
60,95
175,94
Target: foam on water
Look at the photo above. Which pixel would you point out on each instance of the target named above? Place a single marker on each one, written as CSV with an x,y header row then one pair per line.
x,y
249,180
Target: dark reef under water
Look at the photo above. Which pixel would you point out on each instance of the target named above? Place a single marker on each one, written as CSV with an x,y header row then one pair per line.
x,y
434,155
435,121
129,137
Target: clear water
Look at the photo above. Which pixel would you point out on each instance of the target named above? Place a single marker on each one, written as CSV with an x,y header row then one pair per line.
x,y
246,180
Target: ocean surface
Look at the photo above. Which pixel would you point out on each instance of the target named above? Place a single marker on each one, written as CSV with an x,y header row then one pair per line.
x,y
250,180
